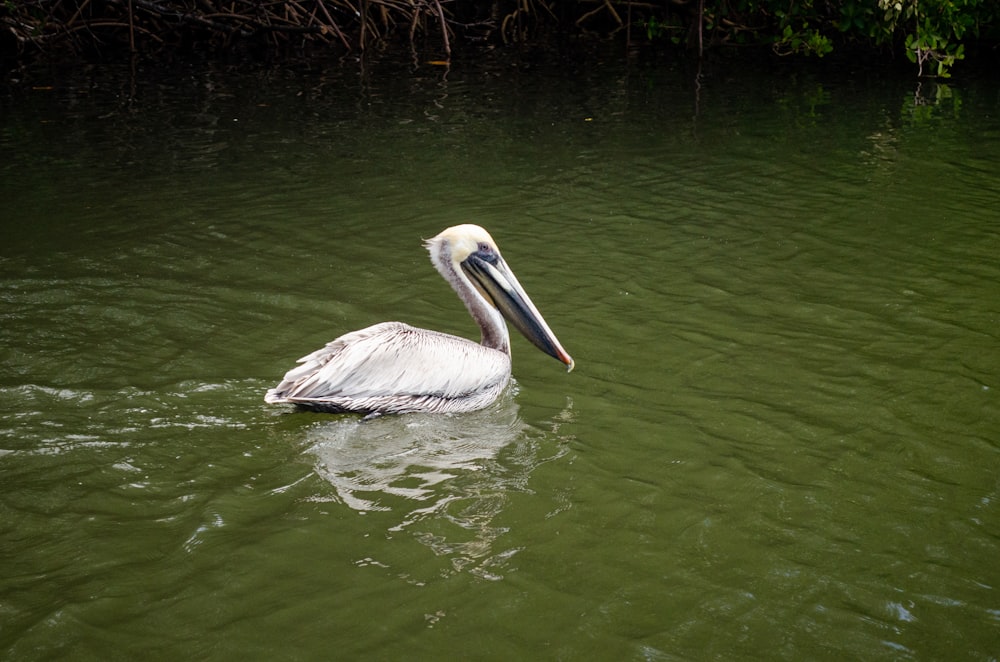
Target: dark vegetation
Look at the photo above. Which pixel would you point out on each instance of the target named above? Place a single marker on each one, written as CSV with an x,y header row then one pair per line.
x,y
932,34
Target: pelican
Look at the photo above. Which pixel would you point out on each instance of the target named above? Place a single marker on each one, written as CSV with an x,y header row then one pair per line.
x,y
394,368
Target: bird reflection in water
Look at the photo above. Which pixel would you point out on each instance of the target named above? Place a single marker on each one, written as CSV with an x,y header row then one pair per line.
x,y
456,470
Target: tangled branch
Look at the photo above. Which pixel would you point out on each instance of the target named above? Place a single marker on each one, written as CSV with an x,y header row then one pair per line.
x,y
139,24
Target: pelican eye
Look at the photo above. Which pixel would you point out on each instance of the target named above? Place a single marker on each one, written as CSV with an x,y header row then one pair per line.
x,y
486,253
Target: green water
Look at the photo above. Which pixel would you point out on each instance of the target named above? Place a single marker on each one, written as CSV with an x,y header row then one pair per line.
x,y
781,440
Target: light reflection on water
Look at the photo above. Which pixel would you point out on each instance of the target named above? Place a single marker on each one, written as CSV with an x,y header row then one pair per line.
x,y
780,440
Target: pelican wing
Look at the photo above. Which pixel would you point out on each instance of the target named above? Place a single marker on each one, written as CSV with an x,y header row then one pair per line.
x,y
394,368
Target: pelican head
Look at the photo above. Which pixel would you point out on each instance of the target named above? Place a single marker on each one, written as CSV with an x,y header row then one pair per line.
x,y
470,261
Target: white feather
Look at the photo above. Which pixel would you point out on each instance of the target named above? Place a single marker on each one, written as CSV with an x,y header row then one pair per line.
x,y
396,368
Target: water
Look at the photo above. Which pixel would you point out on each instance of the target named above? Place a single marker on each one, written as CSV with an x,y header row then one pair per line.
x,y
780,442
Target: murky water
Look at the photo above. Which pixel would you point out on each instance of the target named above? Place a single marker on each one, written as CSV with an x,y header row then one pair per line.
x,y
781,441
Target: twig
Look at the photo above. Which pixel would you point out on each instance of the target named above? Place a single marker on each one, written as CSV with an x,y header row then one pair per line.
x,y
444,29
131,28
333,24
604,5
76,14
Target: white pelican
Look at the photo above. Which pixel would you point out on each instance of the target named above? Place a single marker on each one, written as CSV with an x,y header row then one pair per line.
x,y
394,368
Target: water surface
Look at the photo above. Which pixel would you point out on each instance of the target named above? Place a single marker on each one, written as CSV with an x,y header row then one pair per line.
x,y
780,441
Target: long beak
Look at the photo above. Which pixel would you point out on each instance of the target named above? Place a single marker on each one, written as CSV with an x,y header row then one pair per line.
x,y
497,283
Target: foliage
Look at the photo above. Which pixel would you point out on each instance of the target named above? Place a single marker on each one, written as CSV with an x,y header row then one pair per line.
x,y
933,34
802,40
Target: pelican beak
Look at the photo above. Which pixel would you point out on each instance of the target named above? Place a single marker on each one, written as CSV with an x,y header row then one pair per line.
x,y
495,281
